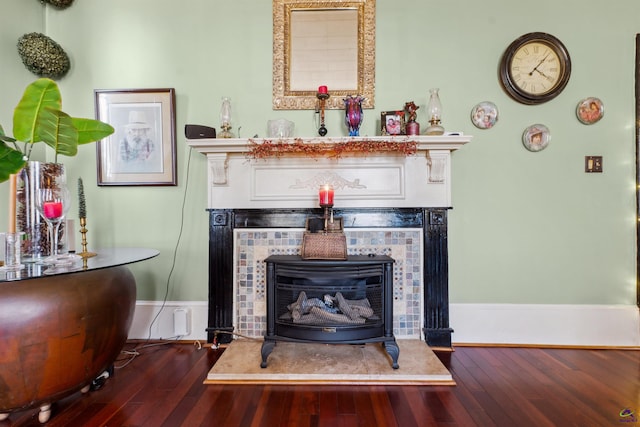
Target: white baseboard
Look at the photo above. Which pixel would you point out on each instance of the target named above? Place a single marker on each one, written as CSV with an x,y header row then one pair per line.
x,y
144,326
546,324
525,324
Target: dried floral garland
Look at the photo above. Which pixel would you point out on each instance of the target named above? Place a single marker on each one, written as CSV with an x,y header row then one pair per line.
x,y
278,148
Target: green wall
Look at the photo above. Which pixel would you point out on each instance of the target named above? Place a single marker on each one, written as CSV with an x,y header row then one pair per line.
x,y
525,228
17,18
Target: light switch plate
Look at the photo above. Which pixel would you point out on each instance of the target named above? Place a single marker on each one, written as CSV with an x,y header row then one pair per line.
x,y
593,164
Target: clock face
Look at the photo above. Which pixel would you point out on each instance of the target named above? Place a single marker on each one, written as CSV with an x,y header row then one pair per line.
x,y
535,68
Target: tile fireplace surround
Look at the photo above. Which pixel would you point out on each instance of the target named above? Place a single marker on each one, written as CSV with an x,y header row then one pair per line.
x,y
391,204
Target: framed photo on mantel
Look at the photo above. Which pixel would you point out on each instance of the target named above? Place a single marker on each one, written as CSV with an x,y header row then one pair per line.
x,y
142,149
392,123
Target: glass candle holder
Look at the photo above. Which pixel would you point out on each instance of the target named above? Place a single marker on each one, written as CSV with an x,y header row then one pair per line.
x,y
11,253
53,204
326,195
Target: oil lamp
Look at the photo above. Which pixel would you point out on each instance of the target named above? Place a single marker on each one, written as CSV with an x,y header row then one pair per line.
x,y
434,109
225,118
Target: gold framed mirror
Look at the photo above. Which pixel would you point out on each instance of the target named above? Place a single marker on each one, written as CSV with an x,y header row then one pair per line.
x,y
323,43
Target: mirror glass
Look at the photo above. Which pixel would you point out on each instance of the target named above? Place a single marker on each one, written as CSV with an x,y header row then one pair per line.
x,y
322,43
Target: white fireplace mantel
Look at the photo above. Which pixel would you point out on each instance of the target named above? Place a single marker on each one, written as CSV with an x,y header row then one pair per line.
x,y
380,179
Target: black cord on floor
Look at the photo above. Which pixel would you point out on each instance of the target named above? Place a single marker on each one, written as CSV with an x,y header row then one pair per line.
x,y
135,352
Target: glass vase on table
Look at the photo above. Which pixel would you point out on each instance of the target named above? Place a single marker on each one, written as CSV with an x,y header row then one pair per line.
x,y
35,244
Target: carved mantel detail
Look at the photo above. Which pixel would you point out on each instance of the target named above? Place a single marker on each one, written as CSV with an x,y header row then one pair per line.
x,y
437,168
218,163
331,178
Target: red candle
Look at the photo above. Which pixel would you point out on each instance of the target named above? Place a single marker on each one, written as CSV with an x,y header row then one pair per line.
x,y
326,195
322,90
52,209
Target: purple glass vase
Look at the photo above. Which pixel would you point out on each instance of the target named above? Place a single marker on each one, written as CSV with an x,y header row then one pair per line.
x,y
353,113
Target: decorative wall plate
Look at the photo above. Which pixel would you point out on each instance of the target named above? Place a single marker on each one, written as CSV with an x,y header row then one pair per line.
x,y
589,110
484,115
536,137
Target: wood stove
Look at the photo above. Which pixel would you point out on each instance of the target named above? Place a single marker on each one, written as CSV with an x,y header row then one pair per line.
x,y
330,301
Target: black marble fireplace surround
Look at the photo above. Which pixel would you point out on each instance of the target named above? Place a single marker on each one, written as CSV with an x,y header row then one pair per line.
x,y
432,221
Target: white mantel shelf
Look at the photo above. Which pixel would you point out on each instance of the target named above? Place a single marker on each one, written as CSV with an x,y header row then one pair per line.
x,y
241,145
371,179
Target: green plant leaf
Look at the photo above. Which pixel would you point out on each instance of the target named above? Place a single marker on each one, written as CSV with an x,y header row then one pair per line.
x,y
38,117
56,129
11,161
90,130
41,94
4,137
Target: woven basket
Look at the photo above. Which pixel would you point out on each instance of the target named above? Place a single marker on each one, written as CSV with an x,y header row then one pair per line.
x,y
324,246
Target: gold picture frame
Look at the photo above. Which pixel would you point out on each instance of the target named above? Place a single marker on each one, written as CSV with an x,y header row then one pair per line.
x,y
356,48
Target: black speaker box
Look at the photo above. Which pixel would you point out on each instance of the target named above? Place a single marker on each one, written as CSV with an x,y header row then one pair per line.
x,y
199,132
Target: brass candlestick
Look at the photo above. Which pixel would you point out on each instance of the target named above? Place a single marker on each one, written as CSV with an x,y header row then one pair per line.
x,y
322,98
83,231
328,213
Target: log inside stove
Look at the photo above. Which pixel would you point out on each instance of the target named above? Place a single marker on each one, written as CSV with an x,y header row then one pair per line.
x,y
329,310
318,302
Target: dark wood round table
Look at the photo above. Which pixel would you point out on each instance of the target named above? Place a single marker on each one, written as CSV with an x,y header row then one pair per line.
x,y
61,328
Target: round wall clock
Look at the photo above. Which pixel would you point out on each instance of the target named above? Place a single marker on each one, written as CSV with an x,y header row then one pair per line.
x,y
535,68
536,137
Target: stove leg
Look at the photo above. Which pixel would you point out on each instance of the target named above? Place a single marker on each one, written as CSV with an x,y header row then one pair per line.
x,y
267,348
394,351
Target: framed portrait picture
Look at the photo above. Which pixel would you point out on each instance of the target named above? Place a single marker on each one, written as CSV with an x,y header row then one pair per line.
x,y
392,122
589,110
142,149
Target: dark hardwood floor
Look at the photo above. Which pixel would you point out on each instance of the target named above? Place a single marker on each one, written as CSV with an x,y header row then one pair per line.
x,y
496,386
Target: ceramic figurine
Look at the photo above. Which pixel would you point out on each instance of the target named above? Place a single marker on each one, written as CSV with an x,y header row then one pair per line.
x,y
412,127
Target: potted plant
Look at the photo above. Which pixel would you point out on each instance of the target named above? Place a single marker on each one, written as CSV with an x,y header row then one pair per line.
x,y
38,117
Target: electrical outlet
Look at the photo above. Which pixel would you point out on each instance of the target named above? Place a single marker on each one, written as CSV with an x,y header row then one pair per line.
x,y
181,323
593,164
